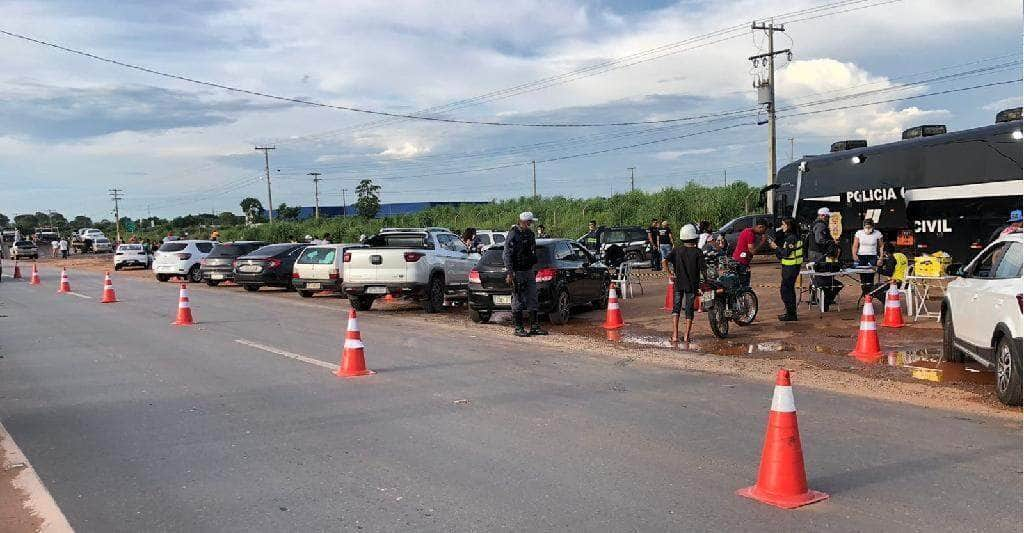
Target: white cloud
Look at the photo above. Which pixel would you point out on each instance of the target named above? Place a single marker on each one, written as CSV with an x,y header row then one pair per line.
x,y
1003,103
404,150
672,155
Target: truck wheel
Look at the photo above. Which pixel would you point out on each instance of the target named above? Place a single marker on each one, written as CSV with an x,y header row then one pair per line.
x,y
117,267
949,352
360,303
306,294
435,295
563,308
1008,373
479,316
162,277
194,275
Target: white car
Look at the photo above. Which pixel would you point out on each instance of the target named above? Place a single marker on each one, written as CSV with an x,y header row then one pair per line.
x,y
132,255
102,245
490,238
430,265
181,258
983,314
321,268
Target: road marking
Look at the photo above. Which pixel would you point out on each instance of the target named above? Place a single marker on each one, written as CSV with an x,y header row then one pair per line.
x,y
79,295
39,501
290,355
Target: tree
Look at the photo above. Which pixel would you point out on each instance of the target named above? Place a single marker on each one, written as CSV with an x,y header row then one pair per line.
x,y
252,208
287,213
26,224
368,202
81,221
4,221
227,218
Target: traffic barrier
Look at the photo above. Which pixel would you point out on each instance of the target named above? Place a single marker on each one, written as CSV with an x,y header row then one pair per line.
x,y
613,318
108,290
34,280
893,316
867,337
17,270
353,360
65,285
184,309
669,296
781,479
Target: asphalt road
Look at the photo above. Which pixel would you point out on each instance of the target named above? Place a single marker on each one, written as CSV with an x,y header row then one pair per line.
x,y
136,425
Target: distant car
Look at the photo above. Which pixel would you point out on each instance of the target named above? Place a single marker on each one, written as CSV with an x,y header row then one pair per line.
x,y
24,249
181,258
132,255
269,266
102,245
567,276
321,268
490,238
983,314
218,266
631,239
731,231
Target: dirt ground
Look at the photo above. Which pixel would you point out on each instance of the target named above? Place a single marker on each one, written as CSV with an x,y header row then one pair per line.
x,y
14,516
817,345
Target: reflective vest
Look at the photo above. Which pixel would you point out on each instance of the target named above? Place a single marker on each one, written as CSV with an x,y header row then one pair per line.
x,y
796,254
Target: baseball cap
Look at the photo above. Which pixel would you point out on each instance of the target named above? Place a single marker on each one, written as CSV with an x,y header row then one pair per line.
x,y
1016,216
824,211
527,215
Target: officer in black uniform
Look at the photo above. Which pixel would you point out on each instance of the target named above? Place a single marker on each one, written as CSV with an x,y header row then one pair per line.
x,y
520,257
591,241
789,248
822,248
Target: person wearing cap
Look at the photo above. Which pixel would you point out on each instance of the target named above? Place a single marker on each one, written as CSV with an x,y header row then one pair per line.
x,y
821,248
1014,224
520,258
747,243
685,265
592,240
790,251
868,245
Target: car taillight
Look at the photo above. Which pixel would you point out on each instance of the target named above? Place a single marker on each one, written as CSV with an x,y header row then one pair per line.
x,y
295,275
184,257
474,276
347,257
273,263
546,274
1020,302
333,274
412,257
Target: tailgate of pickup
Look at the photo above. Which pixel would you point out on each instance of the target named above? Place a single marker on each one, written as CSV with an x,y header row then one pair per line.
x,y
378,265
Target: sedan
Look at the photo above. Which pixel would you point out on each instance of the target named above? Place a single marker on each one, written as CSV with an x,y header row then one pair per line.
x,y
269,266
218,267
567,276
23,249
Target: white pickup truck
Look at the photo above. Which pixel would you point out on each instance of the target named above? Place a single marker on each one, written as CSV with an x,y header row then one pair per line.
x,y
428,265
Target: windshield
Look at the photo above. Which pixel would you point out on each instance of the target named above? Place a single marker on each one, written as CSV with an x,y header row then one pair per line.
x,y
318,256
272,250
401,240
172,247
231,250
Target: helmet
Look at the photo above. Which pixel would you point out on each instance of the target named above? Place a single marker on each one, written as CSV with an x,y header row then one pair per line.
x,y
688,233
824,211
309,238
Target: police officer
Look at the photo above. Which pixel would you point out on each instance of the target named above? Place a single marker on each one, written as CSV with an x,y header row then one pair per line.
x,y
591,241
790,251
520,257
821,248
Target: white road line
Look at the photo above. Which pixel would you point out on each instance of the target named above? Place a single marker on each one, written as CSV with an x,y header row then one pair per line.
x,y
290,355
39,501
79,295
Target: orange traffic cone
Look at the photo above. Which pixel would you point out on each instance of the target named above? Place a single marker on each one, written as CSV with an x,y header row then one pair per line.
x,y
65,286
108,291
34,280
669,296
613,318
17,271
893,316
353,362
184,309
781,479
867,338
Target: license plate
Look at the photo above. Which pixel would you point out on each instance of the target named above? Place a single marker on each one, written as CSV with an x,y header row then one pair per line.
x,y
312,285
376,290
216,276
707,296
502,300
249,268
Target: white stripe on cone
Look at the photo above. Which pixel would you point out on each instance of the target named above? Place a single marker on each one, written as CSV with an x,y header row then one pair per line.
x,y
613,305
353,324
868,326
183,305
354,343
892,303
782,400
869,309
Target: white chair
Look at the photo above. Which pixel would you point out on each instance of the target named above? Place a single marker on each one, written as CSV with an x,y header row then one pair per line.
x,y
625,280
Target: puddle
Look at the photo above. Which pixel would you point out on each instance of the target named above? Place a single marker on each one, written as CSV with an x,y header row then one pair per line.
x,y
712,346
927,365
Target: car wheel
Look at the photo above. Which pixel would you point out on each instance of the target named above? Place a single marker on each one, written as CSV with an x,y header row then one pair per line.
x,y
563,308
435,295
251,288
479,316
194,275
360,303
1008,373
212,283
306,294
602,302
162,277
949,352
117,267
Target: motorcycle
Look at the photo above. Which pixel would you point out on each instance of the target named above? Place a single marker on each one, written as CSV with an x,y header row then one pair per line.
x,y
724,298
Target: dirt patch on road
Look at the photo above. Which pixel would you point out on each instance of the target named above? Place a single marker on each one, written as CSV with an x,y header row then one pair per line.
x,y
14,516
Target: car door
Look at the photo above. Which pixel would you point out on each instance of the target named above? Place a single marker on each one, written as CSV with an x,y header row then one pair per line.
x,y
1000,293
458,263
595,273
971,296
570,268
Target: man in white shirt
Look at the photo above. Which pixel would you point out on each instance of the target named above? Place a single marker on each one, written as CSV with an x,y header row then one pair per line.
x,y
868,244
55,245
64,248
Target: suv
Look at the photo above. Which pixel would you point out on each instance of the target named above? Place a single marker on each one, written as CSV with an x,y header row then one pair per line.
x,y
632,240
983,311
23,249
490,238
219,265
132,255
181,258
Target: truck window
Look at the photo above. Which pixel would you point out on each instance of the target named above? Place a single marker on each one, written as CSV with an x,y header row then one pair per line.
x,y
1009,266
204,247
402,240
317,256
499,238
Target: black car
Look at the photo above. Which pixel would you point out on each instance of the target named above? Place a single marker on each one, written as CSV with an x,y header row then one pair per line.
x,y
269,266
632,241
219,265
567,276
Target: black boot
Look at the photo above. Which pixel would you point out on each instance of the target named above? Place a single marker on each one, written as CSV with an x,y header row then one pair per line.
x,y
535,327
787,317
517,319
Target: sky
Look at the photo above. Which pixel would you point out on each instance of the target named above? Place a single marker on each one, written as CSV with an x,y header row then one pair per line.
x,y
72,127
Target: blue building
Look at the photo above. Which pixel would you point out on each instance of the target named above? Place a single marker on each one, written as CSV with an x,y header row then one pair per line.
x,y
386,210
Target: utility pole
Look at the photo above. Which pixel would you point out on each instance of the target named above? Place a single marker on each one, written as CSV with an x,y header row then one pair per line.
x,y
266,162
534,179
766,95
790,149
725,178
316,194
115,194
632,178
344,203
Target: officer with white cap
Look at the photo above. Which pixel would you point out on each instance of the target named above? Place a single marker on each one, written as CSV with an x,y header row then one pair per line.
x,y
520,257
820,248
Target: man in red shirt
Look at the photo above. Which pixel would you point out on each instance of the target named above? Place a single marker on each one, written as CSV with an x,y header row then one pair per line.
x,y
749,241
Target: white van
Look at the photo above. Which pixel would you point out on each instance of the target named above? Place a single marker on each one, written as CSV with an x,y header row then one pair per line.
x,y
320,268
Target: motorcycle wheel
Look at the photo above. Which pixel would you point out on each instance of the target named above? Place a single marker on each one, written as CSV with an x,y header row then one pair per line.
x,y
719,322
745,309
